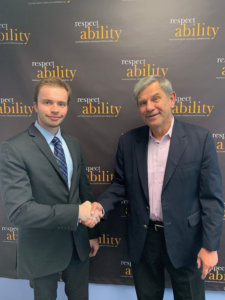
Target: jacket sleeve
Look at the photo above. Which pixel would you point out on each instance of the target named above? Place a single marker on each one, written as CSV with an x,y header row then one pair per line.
x,y
116,192
211,198
20,205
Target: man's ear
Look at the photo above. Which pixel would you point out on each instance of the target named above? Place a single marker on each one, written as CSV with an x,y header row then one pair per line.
x,y
35,105
172,99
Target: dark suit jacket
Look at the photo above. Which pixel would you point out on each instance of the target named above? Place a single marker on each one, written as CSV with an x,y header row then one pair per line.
x,y
192,203
38,201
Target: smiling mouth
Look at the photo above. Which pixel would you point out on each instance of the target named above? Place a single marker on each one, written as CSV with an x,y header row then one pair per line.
x,y
152,116
54,118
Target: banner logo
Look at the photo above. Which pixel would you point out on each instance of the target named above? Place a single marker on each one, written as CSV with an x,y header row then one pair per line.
x,y
13,36
46,69
219,141
9,234
217,274
221,73
191,29
127,271
97,176
92,31
106,240
185,106
94,107
134,69
12,108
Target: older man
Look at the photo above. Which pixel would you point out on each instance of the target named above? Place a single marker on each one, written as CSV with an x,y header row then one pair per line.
x,y
169,173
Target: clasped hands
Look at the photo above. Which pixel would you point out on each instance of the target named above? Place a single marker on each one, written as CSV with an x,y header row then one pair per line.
x,y
90,213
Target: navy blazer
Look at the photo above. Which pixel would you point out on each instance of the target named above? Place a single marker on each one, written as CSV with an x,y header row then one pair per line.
x,y
192,203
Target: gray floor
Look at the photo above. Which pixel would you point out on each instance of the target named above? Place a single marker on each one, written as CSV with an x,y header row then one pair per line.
x,y
11,289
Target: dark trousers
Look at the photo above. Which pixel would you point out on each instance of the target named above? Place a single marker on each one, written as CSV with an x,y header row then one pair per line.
x,y
75,276
149,277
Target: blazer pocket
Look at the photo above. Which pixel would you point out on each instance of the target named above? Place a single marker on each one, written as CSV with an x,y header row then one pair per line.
x,y
194,219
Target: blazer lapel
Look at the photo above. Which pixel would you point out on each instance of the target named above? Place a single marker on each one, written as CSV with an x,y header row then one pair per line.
x,y
43,146
141,152
177,146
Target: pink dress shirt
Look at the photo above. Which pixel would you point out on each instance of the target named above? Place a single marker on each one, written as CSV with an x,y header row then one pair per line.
x,y
157,158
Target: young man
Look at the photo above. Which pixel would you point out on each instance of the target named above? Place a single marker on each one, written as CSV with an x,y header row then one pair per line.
x,y
45,191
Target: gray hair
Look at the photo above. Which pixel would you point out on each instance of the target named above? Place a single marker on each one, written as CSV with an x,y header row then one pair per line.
x,y
164,83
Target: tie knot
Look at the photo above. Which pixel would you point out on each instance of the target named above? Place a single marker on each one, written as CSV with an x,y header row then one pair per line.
x,y
56,141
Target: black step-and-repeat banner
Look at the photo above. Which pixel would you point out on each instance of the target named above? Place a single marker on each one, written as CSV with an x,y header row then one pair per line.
x,y
101,48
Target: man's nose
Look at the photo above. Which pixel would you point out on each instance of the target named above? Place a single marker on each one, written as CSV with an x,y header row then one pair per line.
x,y
149,105
54,108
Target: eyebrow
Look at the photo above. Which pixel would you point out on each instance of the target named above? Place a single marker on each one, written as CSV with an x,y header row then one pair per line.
x,y
52,100
155,95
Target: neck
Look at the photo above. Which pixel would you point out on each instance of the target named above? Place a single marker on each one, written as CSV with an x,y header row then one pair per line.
x,y
53,130
159,132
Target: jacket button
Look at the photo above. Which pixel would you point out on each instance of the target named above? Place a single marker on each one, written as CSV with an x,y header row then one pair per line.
x,y
147,207
145,226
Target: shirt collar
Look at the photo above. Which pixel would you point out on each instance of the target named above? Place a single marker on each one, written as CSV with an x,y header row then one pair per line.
x,y
47,134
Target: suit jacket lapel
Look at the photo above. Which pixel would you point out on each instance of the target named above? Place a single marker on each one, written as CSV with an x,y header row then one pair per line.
x,y
43,146
141,151
177,146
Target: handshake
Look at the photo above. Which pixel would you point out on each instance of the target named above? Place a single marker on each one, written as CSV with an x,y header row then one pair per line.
x,y
90,213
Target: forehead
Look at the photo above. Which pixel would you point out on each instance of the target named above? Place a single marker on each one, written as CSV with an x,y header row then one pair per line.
x,y
150,90
52,92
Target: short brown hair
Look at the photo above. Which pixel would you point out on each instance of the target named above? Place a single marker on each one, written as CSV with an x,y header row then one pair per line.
x,y
52,81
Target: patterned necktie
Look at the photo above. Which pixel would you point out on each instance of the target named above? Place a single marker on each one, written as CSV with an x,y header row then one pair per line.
x,y
60,157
